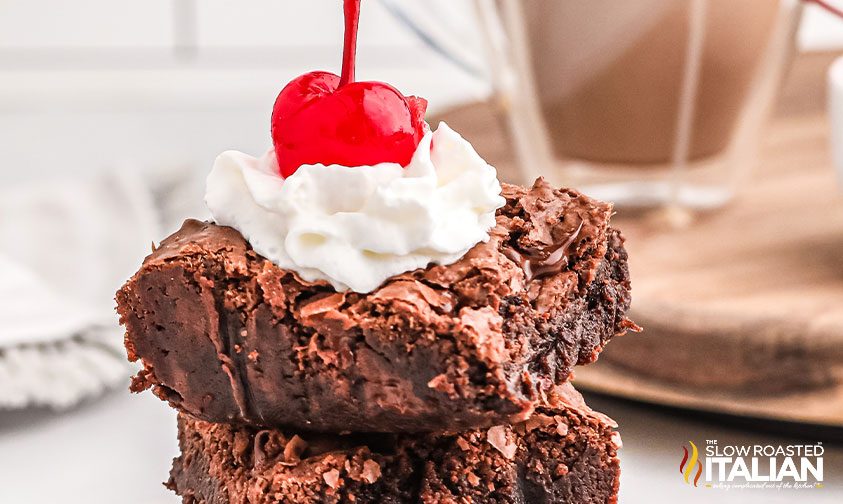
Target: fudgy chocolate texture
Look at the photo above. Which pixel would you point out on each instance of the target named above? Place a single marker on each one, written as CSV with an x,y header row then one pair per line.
x,y
562,454
227,336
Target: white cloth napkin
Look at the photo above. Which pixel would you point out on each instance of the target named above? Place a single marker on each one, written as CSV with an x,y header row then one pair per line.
x,y
66,246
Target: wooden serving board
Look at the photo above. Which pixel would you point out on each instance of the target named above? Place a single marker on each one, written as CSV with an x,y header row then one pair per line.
x,y
743,309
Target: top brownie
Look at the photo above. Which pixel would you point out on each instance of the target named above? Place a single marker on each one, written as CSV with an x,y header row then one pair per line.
x,y
227,336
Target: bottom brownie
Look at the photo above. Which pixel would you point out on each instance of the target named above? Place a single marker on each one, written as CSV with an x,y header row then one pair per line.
x,y
565,453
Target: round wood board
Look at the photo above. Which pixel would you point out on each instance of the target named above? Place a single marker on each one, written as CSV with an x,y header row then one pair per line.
x,y
743,309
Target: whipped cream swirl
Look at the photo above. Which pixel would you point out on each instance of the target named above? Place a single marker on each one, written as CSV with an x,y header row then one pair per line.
x,y
357,226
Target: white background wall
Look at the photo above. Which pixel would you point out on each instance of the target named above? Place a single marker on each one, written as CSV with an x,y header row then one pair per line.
x,y
93,84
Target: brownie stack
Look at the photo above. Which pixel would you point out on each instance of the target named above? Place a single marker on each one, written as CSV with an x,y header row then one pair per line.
x,y
445,384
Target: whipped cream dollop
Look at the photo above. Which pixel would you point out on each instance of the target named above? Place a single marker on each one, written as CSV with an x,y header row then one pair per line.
x,y
357,226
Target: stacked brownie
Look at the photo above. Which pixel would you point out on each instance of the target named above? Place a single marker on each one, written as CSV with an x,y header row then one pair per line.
x,y
445,384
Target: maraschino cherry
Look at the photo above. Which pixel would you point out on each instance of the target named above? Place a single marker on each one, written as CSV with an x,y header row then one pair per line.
x,y
320,117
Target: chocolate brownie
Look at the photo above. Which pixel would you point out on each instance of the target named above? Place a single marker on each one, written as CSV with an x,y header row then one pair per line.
x,y
228,336
564,453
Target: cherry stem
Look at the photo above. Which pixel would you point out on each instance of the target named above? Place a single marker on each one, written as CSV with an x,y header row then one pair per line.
x,y
827,6
351,9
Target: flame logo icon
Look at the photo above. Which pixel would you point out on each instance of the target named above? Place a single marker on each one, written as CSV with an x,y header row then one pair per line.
x,y
686,467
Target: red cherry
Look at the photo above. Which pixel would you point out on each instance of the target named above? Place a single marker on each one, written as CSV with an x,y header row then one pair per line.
x,y
361,123
320,117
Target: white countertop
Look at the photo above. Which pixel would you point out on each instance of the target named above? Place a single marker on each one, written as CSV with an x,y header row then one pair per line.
x,y
118,449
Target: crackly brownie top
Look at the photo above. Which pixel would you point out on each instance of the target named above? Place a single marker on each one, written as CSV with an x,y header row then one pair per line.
x,y
269,446
546,246
564,453
471,338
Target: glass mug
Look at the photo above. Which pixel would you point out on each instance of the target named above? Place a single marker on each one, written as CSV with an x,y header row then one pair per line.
x,y
648,103
658,102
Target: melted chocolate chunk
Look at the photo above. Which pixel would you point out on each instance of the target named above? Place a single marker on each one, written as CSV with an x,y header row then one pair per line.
x,y
538,263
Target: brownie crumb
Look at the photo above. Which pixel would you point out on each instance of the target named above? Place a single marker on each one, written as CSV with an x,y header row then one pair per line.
x,y
497,437
332,478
